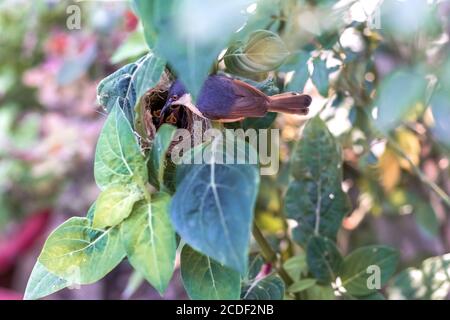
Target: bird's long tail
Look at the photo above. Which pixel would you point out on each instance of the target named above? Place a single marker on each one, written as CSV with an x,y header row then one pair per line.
x,y
290,102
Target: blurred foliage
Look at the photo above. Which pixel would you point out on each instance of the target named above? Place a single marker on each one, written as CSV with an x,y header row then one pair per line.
x,y
379,73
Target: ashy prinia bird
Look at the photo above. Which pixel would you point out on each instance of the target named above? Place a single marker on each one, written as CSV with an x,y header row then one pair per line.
x,y
225,99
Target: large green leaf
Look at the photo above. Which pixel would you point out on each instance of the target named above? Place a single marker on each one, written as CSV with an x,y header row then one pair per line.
x,y
192,33
266,288
356,269
398,93
151,13
81,254
128,84
114,205
429,282
324,259
118,158
157,160
149,241
206,279
315,198
43,283
263,52
213,206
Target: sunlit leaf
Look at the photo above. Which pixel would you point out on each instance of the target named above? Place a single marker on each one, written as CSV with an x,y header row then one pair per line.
x,y
114,205
389,170
410,145
263,52
81,254
149,241
118,158
43,283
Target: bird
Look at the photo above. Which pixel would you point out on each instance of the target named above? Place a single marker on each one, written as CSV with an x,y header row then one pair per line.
x,y
225,99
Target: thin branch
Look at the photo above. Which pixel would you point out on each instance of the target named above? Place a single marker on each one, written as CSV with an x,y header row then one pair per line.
x,y
433,186
270,256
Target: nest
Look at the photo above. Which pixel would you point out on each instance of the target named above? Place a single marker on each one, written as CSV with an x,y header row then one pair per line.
x,y
149,119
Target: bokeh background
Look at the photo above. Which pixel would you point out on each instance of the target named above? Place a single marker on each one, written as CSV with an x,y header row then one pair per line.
x,y
50,122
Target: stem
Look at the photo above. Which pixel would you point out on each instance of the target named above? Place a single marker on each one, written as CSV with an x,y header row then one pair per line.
x,y
270,255
433,186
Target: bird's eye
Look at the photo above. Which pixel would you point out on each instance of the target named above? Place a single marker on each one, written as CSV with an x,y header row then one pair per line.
x,y
175,97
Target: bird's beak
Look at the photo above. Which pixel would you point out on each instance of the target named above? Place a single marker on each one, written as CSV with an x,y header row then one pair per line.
x,y
164,112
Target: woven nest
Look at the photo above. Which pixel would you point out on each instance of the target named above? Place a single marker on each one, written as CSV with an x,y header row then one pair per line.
x,y
150,114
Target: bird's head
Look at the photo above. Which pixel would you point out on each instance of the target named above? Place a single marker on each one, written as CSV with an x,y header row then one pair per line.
x,y
178,96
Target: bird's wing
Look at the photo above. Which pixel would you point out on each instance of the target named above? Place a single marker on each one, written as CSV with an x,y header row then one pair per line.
x,y
249,102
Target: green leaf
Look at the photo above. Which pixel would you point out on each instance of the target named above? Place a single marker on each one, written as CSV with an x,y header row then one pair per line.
x,y
149,241
260,123
127,85
91,212
440,107
81,254
324,259
356,272
315,198
212,209
429,282
157,161
373,296
260,18
264,51
133,47
206,279
295,266
192,33
150,12
320,76
299,64
397,94
302,285
43,283
426,218
267,288
318,292
118,158
114,205
255,265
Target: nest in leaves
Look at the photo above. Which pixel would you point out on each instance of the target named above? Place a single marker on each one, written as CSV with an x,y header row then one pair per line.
x,y
149,119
